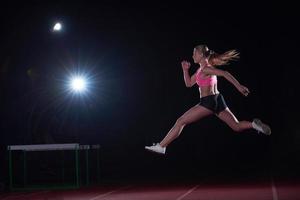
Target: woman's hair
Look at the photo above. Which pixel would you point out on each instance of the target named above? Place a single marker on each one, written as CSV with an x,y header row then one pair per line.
x,y
215,58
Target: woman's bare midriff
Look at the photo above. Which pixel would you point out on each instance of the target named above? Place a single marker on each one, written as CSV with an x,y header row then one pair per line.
x,y
208,90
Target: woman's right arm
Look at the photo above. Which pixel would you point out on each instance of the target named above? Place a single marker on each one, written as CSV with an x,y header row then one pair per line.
x,y
188,80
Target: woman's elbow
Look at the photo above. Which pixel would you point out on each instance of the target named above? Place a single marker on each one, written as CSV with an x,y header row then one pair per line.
x,y
225,74
188,85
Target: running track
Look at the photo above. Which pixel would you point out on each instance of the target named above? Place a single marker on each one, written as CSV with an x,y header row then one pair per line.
x,y
192,191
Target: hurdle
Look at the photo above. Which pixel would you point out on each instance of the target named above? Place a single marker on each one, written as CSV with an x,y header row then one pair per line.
x,y
69,151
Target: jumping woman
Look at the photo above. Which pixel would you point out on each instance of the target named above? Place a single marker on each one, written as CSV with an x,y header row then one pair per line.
x,y
211,100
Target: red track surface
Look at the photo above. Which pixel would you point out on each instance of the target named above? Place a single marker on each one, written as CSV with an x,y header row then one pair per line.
x,y
201,191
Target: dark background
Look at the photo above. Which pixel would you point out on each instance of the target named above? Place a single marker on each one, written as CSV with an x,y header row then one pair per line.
x,y
132,53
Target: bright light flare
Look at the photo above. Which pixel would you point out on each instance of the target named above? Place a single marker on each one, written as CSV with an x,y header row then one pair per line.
x,y
78,84
57,27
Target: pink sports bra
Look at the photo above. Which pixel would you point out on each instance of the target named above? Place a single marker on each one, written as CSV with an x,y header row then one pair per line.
x,y
205,81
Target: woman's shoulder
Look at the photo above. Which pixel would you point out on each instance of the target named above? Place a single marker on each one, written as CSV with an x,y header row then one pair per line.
x,y
208,69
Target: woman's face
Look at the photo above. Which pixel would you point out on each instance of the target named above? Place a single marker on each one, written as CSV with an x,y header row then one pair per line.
x,y
197,56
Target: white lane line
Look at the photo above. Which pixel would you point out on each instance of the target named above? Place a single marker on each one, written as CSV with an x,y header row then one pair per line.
x,y
187,193
108,193
274,191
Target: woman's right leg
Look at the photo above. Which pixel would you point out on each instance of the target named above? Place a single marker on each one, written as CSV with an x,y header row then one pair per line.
x,y
195,113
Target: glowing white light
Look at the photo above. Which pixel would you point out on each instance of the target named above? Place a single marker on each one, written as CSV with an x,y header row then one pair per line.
x,y
78,84
57,27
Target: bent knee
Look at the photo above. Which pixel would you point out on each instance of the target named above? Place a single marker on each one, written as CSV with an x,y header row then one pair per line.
x,y
182,121
237,127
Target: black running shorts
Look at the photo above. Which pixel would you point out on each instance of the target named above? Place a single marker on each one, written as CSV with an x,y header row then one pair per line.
x,y
215,103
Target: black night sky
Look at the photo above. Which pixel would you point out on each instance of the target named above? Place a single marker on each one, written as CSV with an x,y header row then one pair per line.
x,y
132,54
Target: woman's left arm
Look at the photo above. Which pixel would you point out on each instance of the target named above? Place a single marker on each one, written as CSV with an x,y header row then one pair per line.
x,y
218,72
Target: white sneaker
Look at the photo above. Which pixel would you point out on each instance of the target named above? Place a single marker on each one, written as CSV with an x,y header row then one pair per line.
x,y
261,127
156,148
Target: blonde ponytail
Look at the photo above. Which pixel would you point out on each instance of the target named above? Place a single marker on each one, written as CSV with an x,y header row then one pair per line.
x,y
216,59
222,59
